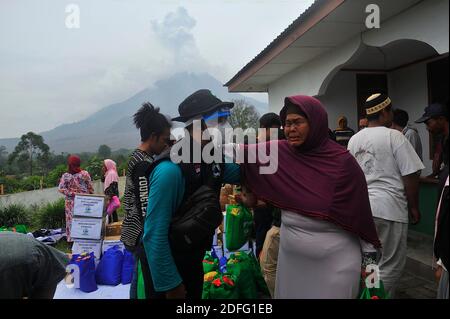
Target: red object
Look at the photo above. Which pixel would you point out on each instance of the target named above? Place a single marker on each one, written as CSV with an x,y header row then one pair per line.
x,y
74,164
375,298
228,281
217,282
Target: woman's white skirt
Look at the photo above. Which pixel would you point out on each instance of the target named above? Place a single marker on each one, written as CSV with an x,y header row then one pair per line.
x,y
317,260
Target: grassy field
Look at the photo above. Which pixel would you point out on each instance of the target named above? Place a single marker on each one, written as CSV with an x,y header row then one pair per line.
x,y
64,246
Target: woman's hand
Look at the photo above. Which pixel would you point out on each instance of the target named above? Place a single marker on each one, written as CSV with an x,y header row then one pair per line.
x,y
438,273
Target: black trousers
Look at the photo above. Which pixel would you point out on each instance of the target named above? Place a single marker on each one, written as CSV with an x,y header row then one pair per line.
x,y
263,218
113,218
190,267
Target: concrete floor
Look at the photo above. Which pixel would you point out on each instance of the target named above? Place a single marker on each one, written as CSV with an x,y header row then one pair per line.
x,y
418,281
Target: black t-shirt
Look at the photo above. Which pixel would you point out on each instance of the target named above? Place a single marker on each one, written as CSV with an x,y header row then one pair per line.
x,y
343,136
112,190
27,265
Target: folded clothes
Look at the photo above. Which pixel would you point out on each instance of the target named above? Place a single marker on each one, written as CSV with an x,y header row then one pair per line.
x,y
49,236
47,232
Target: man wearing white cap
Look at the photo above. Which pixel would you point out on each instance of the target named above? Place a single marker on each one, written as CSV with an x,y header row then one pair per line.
x,y
391,167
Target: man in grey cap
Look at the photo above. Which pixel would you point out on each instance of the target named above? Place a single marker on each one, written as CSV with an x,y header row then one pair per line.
x,y
435,118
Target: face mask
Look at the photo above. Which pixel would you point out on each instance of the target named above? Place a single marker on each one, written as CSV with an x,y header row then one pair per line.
x,y
223,127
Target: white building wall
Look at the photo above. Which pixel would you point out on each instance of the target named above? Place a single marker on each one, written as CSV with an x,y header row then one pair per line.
x,y
340,99
427,22
408,89
309,78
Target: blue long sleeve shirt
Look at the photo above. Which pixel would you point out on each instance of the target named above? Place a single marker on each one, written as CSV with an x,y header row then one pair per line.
x,y
166,191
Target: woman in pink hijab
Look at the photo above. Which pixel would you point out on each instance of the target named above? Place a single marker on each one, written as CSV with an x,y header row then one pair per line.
x,y
111,188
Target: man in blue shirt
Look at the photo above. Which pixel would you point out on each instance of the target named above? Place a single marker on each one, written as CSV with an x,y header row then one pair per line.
x,y
178,272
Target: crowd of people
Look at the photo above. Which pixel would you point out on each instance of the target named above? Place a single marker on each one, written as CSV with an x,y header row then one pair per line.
x,y
338,202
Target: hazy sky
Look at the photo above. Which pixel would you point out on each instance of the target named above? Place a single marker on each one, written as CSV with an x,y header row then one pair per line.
x,y
50,74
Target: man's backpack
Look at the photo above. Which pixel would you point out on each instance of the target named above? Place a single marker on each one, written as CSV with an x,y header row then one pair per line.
x,y
195,222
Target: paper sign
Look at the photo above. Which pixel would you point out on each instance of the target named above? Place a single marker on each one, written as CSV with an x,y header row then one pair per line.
x,y
87,246
88,206
87,228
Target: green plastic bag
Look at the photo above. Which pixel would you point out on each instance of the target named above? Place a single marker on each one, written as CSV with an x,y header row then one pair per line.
x,y
374,293
140,283
238,227
21,229
224,287
205,291
17,229
207,281
210,263
261,284
240,266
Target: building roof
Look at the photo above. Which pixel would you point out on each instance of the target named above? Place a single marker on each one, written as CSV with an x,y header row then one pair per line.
x,y
322,27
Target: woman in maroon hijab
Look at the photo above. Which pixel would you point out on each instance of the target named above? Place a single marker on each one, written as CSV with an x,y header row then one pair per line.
x,y
327,222
75,181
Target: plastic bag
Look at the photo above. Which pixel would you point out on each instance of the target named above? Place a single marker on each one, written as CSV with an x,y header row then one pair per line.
x,y
210,263
109,270
207,280
223,287
240,266
86,265
261,284
140,283
127,267
239,224
16,229
374,293
113,205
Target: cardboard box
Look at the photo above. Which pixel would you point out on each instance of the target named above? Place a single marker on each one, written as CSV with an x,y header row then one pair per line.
x,y
112,241
87,228
89,206
88,246
113,229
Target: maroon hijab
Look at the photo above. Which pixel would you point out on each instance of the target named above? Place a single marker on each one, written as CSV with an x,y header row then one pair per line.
x,y
319,179
74,163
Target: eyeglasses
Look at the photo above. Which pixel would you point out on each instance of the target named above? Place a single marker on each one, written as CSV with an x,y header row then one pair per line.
x,y
295,123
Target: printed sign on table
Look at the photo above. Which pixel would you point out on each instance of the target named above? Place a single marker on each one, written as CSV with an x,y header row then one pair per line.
x,y
88,206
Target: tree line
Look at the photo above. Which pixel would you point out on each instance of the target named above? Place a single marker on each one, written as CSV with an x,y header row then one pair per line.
x,y
32,165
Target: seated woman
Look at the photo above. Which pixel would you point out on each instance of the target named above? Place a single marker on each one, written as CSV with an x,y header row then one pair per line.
x,y
326,218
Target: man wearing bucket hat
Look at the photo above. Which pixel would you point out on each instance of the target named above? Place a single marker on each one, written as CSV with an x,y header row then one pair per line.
x,y
175,271
204,106
391,167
